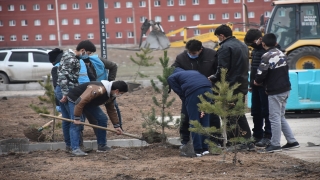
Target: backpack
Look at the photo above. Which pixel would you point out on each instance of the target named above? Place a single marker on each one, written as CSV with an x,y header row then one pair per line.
x,y
99,67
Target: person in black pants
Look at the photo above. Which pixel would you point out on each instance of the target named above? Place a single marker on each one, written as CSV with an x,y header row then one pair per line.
x,y
259,99
196,57
233,55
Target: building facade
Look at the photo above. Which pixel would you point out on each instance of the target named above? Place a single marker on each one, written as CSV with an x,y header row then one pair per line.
x,y
41,22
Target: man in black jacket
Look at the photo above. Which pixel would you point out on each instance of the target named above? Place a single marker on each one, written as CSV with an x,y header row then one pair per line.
x,y
196,57
234,56
259,98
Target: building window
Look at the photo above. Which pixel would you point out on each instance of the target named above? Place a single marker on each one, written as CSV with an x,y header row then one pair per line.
x,y
237,15
50,6
89,21
88,6
63,6
212,16
236,1
1,23
90,36
142,3
75,6
211,1
0,8
51,22
196,32
117,20
76,22
142,19
181,33
172,34
251,15
38,37
225,15
64,22
196,17
130,20
24,23
117,5
237,29
65,37
1,38
13,38
23,7
225,1
107,35
282,13
250,1
25,37
156,3
130,34
118,34
36,7
170,3
52,37
10,7
37,22
182,2
106,21
12,23
157,19
77,36
195,2
211,30
183,17
105,5
171,18
129,4
267,14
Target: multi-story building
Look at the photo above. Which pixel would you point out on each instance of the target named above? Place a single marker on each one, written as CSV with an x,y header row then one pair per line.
x,y
40,22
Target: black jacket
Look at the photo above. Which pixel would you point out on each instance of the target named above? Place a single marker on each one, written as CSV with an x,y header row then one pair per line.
x,y
206,63
256,55
234,56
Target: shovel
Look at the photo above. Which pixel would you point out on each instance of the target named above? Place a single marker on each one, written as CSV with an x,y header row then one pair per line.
x,y
35,134
94,126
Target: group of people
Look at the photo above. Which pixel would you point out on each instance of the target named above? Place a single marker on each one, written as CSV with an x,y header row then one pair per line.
x,y
80,91
81,86
197,69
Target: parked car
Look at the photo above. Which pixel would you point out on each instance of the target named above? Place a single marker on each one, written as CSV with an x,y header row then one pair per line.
x,y
24,65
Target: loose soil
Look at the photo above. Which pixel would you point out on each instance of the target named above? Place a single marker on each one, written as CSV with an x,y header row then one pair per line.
x,y
157,161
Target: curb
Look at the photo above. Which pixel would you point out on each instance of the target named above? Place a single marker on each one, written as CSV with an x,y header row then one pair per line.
x,y
11,147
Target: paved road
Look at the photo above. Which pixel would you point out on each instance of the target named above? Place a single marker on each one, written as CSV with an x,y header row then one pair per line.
x,y
304,129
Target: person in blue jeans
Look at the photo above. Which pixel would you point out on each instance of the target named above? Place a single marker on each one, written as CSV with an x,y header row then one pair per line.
x,y
189,84
89,96
259,98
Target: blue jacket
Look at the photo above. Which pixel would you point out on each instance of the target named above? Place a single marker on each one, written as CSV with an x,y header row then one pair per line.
x,y
184,82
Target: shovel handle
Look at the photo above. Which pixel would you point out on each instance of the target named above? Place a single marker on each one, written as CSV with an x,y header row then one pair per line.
x,y
45,125
91,125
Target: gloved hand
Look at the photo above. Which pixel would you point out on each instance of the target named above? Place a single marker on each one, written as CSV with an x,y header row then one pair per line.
x,y
58,108
213,78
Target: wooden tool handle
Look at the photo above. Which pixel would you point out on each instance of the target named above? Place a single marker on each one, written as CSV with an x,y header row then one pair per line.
x,y
47,124
91,125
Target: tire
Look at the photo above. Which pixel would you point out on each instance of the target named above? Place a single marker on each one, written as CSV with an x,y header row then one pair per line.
x,y
4,79
306,57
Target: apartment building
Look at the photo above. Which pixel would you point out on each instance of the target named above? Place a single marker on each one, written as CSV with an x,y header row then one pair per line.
x,y
40,22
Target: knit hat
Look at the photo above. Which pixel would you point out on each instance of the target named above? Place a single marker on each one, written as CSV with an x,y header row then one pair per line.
x,y
53,54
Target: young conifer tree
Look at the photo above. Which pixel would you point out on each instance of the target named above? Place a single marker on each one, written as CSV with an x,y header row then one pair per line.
x,y
226,105
151,121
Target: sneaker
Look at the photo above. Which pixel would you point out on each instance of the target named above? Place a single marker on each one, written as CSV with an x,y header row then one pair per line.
x,y
103,148
198,154
68,149
291,145
251,147
205,153
78,152
85,149
263,142
270,149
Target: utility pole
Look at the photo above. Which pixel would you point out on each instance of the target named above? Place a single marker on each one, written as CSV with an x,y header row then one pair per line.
x,y
58,27
102,19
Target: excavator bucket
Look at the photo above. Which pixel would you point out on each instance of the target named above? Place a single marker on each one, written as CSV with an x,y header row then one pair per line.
x,y
156,39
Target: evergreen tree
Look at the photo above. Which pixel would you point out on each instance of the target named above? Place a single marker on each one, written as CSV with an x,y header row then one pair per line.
x,y
226,105
151,121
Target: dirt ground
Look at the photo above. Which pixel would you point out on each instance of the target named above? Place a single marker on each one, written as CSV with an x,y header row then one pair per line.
x,y
156,161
